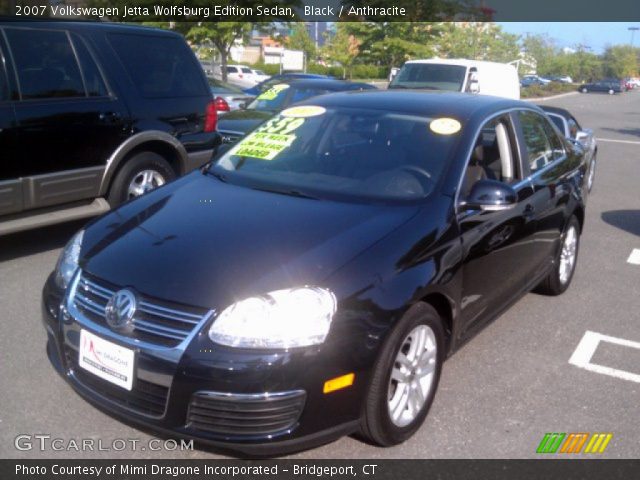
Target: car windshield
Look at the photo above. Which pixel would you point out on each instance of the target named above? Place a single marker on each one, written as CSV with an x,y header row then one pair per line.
x,y
343,153
221,87
272,99
430,76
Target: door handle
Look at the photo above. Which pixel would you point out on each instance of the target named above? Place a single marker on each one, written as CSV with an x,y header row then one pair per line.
x,y
529,212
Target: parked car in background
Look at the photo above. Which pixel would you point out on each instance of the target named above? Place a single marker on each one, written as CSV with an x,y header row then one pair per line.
x,y
94,114
609,86
529,80
239,75
260,76
570,128
459,75
235,125
344,252
275,79
207,67
227,97
561,78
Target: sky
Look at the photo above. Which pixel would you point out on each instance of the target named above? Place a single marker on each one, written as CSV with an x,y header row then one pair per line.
x,y
596,35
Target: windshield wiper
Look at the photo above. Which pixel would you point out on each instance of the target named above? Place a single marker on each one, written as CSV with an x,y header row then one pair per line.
x,y
285,191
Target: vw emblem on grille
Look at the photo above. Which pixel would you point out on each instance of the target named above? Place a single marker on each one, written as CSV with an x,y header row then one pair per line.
x,y
120,309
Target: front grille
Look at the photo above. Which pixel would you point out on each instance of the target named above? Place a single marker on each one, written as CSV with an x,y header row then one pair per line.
x,y
155,322
245,415
145,397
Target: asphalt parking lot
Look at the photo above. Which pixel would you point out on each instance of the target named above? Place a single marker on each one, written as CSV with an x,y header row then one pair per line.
x,y
498,396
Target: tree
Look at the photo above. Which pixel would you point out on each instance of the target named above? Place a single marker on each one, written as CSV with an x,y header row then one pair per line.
x,y
543,50
301,40
343,48
478,41
620,61
222,35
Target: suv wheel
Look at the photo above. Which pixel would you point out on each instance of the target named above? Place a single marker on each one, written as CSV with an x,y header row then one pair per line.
x,y
564,265
405,377
140,174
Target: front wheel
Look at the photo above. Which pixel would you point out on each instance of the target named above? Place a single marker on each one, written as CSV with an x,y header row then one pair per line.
x,y
592,173
584,90
405,377
611,92
564,264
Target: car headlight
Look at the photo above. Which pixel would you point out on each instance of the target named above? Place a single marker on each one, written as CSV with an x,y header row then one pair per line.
x,y
68,261
295,317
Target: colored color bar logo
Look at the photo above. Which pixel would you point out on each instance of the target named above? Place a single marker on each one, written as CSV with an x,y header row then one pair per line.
x,y
574,443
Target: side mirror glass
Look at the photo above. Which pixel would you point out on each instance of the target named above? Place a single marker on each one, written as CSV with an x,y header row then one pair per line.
x,y
491,196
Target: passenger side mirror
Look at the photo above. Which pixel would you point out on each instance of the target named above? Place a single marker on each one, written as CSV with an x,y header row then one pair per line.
x,y
582,136
491,195
474,86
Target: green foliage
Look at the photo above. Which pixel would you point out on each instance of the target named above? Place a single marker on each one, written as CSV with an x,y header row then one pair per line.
x,y
620,61
553,88
301,40
478,41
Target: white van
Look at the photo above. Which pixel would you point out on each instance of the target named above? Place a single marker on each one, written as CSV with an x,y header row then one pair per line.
x,y
459,75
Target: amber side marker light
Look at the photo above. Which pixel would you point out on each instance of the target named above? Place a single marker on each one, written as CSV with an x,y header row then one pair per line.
x,y
338,383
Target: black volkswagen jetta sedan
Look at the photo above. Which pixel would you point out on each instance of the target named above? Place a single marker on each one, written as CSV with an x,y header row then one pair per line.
x,y
309,282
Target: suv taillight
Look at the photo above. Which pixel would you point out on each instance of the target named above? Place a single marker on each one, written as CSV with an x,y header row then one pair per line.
x,y
221,105
211,118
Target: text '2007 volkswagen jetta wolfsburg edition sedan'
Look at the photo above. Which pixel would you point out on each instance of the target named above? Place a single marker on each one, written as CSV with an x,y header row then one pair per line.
x,y
310,282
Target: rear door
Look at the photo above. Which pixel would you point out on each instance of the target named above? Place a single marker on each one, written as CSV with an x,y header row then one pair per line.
x,y
69,123
550,164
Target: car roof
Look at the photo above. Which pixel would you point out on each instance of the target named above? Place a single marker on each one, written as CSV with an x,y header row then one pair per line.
x,y
85,25
458,105
456,61
326,83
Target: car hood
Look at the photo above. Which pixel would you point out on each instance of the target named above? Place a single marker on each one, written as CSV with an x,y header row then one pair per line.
x,y
202,242
242,120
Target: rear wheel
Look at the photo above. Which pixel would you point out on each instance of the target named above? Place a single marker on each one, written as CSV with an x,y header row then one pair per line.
x,y
140,174
564,265
611,92
405,377
584,90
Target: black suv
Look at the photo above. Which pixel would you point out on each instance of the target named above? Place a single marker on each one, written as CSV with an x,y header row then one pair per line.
x,y
92,114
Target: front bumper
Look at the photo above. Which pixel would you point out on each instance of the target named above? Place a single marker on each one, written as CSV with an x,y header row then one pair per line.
x,y
261,403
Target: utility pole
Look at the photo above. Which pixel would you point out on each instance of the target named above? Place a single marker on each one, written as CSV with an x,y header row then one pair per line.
x,y
633,31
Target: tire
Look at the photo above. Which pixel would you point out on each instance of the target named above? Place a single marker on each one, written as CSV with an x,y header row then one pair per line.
x,y
558,280
134,171
377,423
584,90
611,92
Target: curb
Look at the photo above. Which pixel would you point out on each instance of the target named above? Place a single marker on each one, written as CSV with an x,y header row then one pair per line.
x,y
542,99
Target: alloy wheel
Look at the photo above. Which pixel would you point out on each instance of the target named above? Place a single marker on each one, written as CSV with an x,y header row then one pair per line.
x,y
412,375
143,182
568,255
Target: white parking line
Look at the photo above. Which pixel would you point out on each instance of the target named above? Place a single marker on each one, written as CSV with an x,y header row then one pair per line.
x,y
587,347
634,258
613,140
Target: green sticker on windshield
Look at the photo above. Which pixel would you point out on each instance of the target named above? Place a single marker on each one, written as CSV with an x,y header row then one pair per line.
x,y
264,145
273,92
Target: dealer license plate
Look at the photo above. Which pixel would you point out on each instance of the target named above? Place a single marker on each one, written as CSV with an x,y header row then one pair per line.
x,y
106,360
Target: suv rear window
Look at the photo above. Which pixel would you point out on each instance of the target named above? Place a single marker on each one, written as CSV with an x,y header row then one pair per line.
x,y
159,66
45,63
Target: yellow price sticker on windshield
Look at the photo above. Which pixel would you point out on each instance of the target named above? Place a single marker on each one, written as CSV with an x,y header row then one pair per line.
x,y
273,92
445,126
303,111
264,145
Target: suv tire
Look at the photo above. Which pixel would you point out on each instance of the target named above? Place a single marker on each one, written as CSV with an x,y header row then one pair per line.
x,y
141,173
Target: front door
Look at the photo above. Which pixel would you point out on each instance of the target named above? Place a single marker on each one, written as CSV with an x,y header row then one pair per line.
x,y
497,245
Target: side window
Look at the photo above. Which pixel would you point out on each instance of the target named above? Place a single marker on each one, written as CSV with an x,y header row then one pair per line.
x,y
159,66
232,70
541,142
45,64
492,156
93,80
558,121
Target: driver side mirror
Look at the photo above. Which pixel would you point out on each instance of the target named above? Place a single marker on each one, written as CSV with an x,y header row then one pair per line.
x,y
582,137
474,83
490,196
